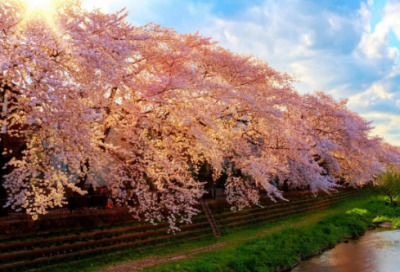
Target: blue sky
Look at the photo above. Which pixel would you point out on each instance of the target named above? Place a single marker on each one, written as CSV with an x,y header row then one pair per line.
x,y
347,48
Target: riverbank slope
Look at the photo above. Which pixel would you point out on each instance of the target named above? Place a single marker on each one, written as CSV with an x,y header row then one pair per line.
x,y
228,252
283,248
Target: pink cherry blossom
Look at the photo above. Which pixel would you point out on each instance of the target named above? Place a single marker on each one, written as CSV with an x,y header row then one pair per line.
x,y
146,107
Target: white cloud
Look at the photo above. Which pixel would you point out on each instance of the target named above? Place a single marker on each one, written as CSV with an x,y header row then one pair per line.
x,y
140,12
104,5
376,93
374,43
386,125
291,39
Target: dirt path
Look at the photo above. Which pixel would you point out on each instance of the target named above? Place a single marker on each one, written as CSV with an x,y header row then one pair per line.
x,y
139,265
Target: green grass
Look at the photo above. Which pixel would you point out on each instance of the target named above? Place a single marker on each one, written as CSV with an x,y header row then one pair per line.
x,y
388,215
285,247
277,250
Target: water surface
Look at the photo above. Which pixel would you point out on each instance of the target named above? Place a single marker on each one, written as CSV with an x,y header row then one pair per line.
x,y
376,251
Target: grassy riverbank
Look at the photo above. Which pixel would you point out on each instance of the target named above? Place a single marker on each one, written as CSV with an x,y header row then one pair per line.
x,y
283,248
257,248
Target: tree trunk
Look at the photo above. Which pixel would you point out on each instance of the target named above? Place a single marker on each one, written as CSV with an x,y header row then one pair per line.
x,y
83,178
2,171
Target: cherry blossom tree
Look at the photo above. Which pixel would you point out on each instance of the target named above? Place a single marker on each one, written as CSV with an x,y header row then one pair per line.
x,y
339,139
340,142
389,156
145,107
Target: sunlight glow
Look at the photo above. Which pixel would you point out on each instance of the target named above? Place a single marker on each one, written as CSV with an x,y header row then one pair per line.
x,y
43,10
38,4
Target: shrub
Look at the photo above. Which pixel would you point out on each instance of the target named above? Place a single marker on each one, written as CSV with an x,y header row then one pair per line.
x,y
360,213
380,219
389,184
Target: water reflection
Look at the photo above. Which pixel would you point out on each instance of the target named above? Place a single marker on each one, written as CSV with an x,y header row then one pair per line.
x,y
376,251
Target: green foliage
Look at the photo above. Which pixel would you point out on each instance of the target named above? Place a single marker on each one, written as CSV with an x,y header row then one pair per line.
x,y
380,219
362,214
389,183
396,223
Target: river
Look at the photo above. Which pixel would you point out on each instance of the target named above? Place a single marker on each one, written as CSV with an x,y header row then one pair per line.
x,y
376,251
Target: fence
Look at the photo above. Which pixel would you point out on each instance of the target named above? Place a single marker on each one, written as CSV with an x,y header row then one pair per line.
x,y
100,202
74,203
80,202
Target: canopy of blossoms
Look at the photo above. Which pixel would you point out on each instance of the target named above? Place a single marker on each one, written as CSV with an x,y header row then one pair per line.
x,y
146,107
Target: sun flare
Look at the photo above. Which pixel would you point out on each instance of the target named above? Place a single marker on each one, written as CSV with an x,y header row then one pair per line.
x,y
38,4
43,10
